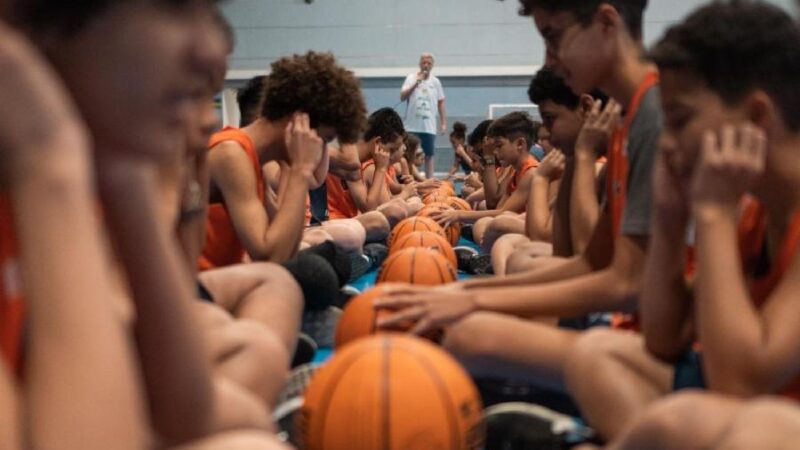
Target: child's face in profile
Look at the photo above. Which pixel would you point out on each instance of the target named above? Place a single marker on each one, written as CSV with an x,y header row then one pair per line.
x,y
419,158
690,109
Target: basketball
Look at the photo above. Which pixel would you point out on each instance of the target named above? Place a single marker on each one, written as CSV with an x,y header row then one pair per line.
x,y
427,239
458,203
391,392
447,188
452,231
359,317
412,224
435,197
417,266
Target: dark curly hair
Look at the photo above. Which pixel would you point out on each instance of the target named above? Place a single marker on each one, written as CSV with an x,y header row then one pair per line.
x,y
514,125
736,47
249,99
632,11
69,17
479,132
315,84
386,124
459,131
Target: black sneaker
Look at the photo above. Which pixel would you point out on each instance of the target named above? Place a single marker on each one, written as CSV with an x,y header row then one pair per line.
x,y
464,255
321,325
305,350
481,265
377,254
359,265
291,400
522,426
466,232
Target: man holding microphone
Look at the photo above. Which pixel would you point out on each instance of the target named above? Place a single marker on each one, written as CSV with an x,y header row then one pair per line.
x,y
425,104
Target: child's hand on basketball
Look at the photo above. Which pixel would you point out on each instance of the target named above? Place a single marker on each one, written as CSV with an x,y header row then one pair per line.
x,y
409,191
446,217
304,146
428,308
552,166
598,127
730,161
381,157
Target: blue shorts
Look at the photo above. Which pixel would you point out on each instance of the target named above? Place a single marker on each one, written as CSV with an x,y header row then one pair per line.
x,y
689,372
427,142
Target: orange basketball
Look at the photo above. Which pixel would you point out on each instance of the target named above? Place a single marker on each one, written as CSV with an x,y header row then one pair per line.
x,y
458,203
412,224
417,266
447,188
391,392
360,318
452,231
435,197
426,239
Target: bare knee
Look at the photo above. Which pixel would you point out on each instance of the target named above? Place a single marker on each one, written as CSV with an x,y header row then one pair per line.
x,y
394,212
376,225
592,349
348,234
237,440
315,236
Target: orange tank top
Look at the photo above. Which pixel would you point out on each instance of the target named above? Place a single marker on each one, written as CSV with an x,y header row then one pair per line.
x,y
340,202
617,172
223,247
390,175
12,311
529,164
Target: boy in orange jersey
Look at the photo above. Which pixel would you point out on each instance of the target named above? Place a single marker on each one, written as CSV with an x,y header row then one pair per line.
x,y
729,161
591,44
304,95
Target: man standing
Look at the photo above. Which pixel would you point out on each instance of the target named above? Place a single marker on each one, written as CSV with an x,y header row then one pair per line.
x,y
422,91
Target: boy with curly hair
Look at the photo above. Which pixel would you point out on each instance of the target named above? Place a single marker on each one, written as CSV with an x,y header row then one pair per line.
x,y
308,100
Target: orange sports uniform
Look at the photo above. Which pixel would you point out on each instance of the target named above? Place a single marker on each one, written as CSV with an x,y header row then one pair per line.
x,y
530,163
223,247
12,311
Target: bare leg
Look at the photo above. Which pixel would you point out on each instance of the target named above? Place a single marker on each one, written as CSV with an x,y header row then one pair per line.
x,y
376,224
348,234
510,347
531,255
394,210
237,440
500,226
428,166
264,292
503,248
685,421
614,379
479,229
767,424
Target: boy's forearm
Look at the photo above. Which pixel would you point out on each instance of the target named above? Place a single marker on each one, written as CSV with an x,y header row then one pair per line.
x,y
569,268
665,300
282,237
584,209
538,210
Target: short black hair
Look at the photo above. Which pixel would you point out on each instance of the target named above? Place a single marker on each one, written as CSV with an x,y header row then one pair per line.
x,y
736,47
479,132
249,98
546,85
513,125
316,84
386,124
69,17
632,11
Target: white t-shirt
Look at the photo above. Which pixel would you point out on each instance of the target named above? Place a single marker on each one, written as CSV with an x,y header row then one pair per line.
x,y
422,107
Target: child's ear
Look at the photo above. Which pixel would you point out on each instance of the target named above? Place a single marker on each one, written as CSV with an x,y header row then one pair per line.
x,y
585,105
762,110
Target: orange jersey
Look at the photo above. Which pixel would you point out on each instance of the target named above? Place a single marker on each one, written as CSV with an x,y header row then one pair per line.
x,y
11,304
391,172
530,163
223,247
340,202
